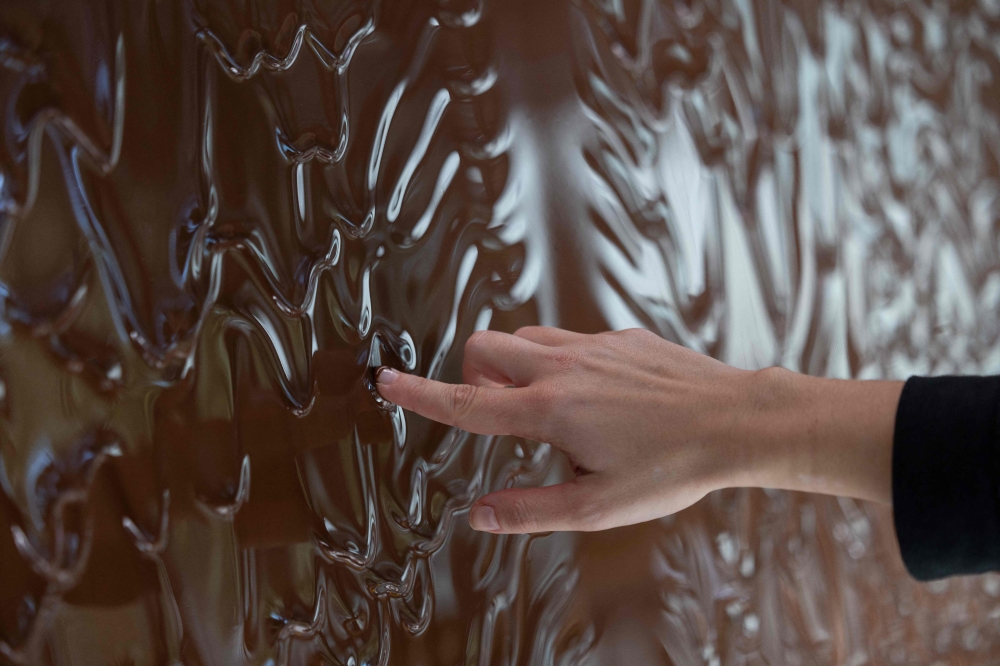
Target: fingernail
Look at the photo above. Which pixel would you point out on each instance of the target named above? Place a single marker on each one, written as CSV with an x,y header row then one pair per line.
x,y
483,518
386,376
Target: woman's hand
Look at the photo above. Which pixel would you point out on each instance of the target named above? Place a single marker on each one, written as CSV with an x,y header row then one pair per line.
x,y
651,427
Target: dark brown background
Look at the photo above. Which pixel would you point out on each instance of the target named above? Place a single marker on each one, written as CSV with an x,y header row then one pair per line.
x,y
217,217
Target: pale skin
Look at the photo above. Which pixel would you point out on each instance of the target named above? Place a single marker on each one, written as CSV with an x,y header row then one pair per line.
x,y
651,427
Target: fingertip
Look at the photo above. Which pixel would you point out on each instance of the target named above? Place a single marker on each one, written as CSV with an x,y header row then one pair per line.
x,y
386,375
387,380
483,518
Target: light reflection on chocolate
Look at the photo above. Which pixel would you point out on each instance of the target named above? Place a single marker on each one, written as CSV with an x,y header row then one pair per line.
x,y
217,219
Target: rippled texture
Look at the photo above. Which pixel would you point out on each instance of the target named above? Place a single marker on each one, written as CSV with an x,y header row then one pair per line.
x,y
218,216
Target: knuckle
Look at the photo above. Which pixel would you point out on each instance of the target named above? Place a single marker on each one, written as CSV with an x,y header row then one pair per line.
x,y
587,513
463,400
639,334
546,403
544,398
580,514
477,340
519,516
552,411
414,387
649,337
564,358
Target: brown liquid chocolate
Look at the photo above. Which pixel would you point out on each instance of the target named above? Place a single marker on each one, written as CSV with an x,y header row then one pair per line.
x,y
217,218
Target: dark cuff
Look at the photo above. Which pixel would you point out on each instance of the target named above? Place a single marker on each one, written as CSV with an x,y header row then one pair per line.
x,y
944,476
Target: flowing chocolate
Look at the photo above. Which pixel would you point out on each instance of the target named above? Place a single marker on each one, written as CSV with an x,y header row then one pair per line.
x,y
218,218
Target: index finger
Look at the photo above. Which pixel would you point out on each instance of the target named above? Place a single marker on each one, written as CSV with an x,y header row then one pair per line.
x,y
478,409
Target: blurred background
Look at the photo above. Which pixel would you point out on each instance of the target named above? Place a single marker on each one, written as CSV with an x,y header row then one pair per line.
x,y
218,216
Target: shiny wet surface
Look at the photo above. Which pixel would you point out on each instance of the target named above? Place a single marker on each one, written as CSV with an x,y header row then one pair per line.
x,y
219,217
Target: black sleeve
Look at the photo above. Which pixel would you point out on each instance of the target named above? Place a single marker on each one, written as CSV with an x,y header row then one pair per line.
x,y
945,476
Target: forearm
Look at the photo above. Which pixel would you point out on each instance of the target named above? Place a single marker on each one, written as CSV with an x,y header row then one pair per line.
x,y
818,435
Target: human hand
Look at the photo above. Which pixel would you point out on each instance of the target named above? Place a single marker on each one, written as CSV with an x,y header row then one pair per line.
x,y
651,427
647,424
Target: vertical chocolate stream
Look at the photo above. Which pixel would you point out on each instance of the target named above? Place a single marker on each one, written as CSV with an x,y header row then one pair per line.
x,y
216,220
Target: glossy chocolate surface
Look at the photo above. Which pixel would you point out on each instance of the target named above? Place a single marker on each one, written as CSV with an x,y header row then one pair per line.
x,y
218,216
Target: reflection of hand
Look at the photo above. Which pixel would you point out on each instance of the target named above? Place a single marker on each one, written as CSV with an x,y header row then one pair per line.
x,y
651,427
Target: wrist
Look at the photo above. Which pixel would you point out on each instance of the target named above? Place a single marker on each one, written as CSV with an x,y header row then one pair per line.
x,y
766,447
743,447
814,434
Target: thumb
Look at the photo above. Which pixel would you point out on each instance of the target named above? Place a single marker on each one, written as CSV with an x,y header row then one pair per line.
x,y
566,507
